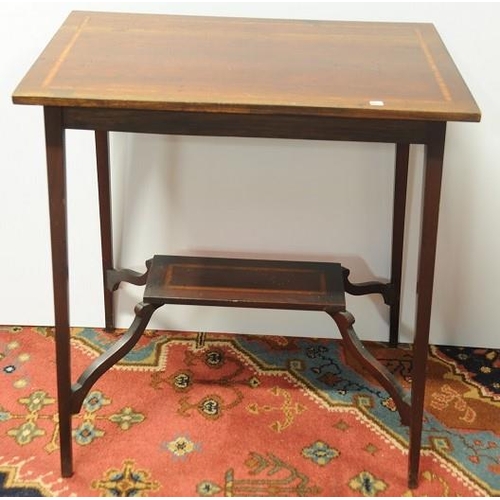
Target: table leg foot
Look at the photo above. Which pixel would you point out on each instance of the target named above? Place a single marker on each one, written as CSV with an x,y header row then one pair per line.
x,y
109,313
65,442
66,466
412,480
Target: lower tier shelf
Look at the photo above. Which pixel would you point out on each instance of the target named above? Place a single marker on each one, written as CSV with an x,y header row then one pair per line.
x,y
271,284
245,283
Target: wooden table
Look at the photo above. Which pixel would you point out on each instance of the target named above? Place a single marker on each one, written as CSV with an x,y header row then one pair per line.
x,y
380,82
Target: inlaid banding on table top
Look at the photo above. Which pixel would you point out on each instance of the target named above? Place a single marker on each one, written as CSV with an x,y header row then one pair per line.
x,y
433,66
65,52
227,65
261,279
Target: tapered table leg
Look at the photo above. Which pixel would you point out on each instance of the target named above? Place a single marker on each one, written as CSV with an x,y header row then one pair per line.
x,y
398,227
56,173
102,157
430,215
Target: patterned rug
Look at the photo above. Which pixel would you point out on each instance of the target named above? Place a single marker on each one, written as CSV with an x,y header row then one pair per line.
x,y
195,414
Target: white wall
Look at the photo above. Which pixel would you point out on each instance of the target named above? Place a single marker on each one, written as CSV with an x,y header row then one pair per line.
x,y
208,196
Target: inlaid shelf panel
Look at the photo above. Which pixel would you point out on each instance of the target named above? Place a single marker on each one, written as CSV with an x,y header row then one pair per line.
x,y
268,284
245,283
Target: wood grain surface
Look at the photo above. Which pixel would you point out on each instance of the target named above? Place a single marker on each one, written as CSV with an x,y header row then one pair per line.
x,y
243,65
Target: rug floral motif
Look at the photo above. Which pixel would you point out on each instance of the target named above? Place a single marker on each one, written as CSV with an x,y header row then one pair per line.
x,y
195,414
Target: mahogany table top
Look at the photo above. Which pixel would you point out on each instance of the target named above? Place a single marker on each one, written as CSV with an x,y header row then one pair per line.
x,y
243,65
